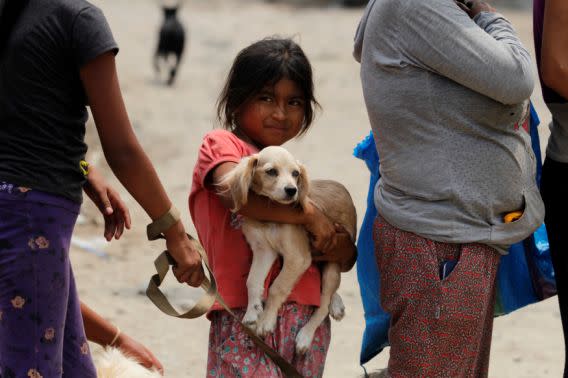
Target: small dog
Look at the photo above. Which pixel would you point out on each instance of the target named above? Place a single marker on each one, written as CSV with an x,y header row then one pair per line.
x,y
170,44
274,173
112,363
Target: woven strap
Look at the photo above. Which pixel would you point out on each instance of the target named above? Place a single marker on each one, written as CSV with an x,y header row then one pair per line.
x,y
163,223
162,264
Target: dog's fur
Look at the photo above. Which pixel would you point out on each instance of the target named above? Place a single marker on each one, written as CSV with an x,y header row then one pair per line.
x,y
170,44
274,173
112,363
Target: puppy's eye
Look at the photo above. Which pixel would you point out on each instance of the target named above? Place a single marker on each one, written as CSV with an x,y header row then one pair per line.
x,y
295,174
272,172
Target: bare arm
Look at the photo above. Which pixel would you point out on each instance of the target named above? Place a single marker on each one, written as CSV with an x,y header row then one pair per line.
x,y
554,54
122,151
262,209
100,331
129,162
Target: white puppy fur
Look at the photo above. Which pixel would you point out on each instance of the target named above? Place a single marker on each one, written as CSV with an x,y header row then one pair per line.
x,y
112,363
276,174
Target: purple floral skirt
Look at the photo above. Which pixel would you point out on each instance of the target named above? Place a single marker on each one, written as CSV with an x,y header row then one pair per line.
x,y
41,328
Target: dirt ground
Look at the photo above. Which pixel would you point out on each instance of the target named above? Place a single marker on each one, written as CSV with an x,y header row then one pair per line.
x,y
170,123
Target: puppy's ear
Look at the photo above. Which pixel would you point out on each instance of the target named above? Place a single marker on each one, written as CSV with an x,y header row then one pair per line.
x,y
238,181
303,185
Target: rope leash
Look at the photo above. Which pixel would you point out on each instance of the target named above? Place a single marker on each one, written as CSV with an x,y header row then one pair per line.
x,y
162,265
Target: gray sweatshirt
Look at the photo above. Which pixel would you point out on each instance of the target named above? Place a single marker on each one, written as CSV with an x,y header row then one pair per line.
x,y
447,101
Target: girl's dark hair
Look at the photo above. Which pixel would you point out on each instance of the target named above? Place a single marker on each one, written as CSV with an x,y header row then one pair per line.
x,y
264,63
10,11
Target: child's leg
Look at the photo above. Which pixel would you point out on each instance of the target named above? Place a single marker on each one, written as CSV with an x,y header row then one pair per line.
x,y
233,354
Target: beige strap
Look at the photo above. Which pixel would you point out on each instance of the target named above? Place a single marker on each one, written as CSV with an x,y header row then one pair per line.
x,y
162,264
163,223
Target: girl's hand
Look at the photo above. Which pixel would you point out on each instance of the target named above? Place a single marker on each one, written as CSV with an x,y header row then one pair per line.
x,y
139,352
474,7
321,229
188,266
345,252
108,201
100,331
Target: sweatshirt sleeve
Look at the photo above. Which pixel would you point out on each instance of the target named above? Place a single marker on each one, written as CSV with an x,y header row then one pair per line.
x,y
483,54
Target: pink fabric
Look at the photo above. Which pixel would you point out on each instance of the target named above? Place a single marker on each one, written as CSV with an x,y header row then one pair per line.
x,y
233,354
219,230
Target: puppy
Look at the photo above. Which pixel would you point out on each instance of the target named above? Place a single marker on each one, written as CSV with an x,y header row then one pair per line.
x,y
111,363
170,44
274,173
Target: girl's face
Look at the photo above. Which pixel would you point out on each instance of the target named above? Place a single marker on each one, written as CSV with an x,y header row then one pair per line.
x,y
274,115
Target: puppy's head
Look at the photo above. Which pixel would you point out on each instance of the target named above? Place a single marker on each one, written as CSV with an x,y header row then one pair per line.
x,y
273,173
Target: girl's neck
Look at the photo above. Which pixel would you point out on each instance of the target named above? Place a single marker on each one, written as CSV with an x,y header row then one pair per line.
x,y
244,137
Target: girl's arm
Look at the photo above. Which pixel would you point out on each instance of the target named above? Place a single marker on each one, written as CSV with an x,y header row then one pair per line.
x,y
554,54
100,331
262,209
129,162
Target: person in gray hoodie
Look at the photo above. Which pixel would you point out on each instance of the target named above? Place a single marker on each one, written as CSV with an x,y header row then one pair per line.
x,y
446,85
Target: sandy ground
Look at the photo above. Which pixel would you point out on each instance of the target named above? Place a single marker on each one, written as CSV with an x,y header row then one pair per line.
x,y
170,123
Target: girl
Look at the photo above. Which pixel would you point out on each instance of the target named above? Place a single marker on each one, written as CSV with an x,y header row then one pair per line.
x,y
267,100
55,58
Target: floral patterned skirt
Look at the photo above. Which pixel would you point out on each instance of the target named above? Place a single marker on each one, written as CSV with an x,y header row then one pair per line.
x,y
233,354
439,327
41,328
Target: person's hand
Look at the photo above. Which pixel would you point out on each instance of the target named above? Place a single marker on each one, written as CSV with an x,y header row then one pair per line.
x,y
320,228
345,252
139,352
188,266
108,201
474,7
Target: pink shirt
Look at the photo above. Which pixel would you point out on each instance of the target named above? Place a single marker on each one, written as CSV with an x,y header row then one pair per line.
x,y
219,231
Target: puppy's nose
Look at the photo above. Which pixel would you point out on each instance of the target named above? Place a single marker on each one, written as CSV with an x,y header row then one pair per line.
x,y
290,191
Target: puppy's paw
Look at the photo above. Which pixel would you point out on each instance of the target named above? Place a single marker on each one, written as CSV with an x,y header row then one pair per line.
x,y
336,307
303,341
265,325
251,316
